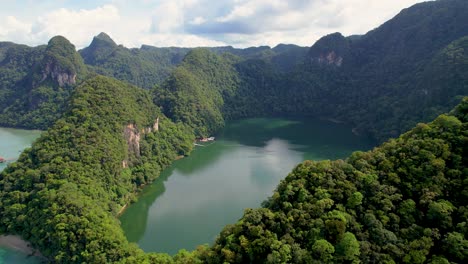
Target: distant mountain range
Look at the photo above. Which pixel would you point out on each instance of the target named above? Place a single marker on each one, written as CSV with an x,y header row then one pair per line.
x,y
408,70
403,202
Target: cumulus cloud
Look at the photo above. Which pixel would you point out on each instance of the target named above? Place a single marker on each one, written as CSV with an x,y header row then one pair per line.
x,y
190,23
77,26
179,40
169,16
13,29
197,21
261,17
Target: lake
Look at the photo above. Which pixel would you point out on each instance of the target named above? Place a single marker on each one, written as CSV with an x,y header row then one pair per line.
x,y
197,196
12,143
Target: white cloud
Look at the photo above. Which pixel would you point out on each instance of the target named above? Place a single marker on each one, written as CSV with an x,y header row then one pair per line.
x,y
169,16
240,23
13,24
197,21
77,26
252,7
12,29
179,40
303,22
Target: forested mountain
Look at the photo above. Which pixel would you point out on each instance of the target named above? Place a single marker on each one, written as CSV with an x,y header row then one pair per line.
x,y
408,70
36,82
385,71
404,201
143,67
149,66
193,94
383,82
64,193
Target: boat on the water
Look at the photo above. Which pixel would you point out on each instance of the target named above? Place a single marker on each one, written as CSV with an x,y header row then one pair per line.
x,y
2,160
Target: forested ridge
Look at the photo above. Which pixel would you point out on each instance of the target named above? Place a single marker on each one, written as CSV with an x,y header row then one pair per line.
x,y
404,201
194,92
63,194
410,69
37,82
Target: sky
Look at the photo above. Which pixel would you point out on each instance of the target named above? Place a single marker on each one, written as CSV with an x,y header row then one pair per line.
x,y
192,23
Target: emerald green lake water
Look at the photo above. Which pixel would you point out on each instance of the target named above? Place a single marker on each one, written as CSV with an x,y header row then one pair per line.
x,y
197,196
12,143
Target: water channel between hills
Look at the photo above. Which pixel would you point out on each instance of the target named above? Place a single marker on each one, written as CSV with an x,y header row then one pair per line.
x,y
197,196
12,143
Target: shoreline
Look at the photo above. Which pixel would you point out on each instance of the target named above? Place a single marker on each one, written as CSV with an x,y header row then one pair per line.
x,y
141,187
18,244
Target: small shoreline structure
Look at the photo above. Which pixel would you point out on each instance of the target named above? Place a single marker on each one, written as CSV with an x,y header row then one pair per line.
x,y
208,139
203,140
2,160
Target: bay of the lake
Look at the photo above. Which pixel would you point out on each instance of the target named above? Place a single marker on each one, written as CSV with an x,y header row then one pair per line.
x,y
197,196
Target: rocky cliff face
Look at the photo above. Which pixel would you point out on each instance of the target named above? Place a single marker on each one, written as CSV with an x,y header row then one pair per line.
x,y
330,58
61,63
330,50
58,74
133,136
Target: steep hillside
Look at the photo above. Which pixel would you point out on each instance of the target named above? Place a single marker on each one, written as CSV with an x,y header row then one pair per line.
x,y
194,92
410,69
149,66
382,83
37,82
403,202
144,67
63,194
16,62
379,70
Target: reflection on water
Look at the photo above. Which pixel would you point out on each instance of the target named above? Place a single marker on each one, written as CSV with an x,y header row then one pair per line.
x,y
194,199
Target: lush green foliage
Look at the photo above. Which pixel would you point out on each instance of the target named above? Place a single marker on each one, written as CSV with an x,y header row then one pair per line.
x,y
383,82
36,82
63,194
143,67
410,69
399,74
403,202
194,92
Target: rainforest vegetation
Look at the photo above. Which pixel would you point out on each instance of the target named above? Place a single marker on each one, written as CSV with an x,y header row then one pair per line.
x,y
405,201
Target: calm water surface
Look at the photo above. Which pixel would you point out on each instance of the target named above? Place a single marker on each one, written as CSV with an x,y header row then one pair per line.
x,y
197,196
12,142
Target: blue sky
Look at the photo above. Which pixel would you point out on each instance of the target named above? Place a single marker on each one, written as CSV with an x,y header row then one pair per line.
x,y
189,23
